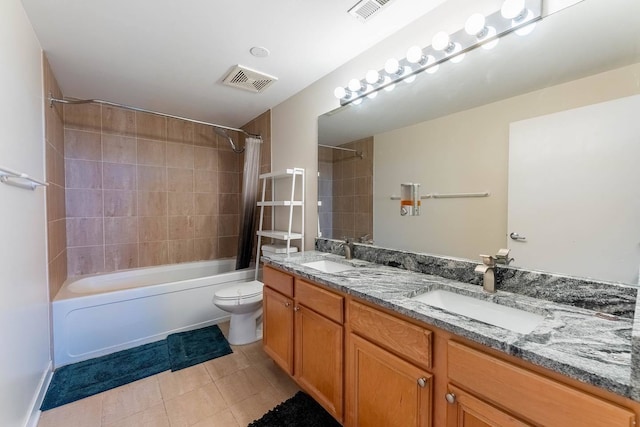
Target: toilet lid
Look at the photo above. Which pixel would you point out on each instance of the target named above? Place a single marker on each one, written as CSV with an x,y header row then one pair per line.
x,y
241,290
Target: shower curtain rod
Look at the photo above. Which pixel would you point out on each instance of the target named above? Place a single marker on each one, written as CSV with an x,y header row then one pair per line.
x,y
142,110
357,153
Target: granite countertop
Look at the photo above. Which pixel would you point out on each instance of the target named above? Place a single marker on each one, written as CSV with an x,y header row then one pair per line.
x,y
572,341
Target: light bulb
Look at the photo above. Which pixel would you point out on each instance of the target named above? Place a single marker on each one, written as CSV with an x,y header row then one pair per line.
x,y
491,32
458,58
431,68
371,93
354,85
475,24
414,54
392,66
389,88
527,29
357,101
339,92
440,41
512,8
411,78
372,77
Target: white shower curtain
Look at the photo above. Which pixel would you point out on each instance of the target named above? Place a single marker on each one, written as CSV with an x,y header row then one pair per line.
x,y
250,177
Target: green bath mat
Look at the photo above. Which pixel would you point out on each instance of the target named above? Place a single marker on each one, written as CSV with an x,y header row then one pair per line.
x,y
193,347
84,379
300,410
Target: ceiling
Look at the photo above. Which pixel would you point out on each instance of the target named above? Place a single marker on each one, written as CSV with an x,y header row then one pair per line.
x,y
171,56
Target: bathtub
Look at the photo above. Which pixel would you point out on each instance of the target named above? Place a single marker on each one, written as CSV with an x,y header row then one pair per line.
x,y
104,313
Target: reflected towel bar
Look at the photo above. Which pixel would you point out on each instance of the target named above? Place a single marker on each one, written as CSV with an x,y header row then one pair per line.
x,y
448,195
9,177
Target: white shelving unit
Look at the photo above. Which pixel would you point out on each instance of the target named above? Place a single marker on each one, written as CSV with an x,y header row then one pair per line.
x,y
287,176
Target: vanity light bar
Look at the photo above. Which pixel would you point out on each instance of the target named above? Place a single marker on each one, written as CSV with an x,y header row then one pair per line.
x,y
517,16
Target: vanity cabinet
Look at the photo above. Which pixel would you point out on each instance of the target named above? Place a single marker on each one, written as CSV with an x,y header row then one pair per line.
x,y
387,382
304,334
501,393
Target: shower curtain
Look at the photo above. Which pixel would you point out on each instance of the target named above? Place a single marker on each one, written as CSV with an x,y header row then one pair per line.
x,y
250,178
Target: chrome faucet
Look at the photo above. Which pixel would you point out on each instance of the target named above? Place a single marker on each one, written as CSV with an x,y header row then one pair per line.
x,y
487,270
348,248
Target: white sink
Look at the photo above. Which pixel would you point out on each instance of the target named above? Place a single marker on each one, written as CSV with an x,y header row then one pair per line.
x,y
494,314
327,266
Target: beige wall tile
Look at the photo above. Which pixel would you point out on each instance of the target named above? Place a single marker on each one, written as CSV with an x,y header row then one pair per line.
x,y
205,226
118,120
120,257
205,181
85,260
180,180
205,158
151,126
118,176
84,203
228,225
206,203
152,228
83,174
179,131
120,203
180,203
59,169
180,156
84,232
228,182
205,249
181,227
181,251
228,161
119,149
82,145
228,204
204,136
152,178
227,246
84,117
118,230
152,203
122,402
153,253
152,152
56,238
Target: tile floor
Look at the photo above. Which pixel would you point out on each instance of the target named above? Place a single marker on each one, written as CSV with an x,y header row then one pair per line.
x,y
229,391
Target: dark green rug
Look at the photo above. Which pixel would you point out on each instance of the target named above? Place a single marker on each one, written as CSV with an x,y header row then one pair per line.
x,y
178,351
299,411
193,347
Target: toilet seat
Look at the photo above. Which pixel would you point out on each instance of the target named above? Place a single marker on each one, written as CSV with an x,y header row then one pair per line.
x,y
242,291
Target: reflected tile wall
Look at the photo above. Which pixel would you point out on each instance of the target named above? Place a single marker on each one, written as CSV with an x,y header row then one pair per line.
x,y
144,190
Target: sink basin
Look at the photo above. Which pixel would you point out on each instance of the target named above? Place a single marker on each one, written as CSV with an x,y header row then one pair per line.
x,y
327,266
488,312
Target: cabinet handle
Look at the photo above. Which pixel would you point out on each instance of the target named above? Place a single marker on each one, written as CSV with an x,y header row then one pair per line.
x,y
287,304
422,382
451,398
296,308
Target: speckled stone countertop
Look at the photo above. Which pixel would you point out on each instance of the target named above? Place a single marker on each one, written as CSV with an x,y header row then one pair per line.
x,y
571,340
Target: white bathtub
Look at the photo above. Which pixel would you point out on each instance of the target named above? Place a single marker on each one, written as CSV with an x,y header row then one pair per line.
x,y
101,314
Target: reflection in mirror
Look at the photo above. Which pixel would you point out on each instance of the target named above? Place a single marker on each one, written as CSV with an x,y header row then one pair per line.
x,y
450,132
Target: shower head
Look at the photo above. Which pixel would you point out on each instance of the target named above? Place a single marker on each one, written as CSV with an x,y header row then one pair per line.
x,y
224,134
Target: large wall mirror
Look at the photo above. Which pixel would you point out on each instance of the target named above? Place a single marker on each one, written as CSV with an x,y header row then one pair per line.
x,y
546,124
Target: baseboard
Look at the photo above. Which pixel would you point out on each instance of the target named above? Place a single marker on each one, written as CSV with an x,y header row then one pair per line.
x,y
34,416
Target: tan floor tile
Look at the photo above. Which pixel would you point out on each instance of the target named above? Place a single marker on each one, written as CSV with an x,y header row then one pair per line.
x,y
242,384
280,380
224,328
129,399
255,406
156,416
173,384
195,406
223,419
226,365
254,352
82,413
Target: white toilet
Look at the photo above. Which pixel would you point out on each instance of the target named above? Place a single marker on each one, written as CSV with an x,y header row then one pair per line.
x,y
244,302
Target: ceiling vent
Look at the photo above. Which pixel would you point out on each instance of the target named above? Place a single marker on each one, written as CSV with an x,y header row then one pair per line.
x,y
248,79
365,9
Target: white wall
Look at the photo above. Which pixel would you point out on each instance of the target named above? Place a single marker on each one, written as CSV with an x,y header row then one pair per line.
x,y
24,307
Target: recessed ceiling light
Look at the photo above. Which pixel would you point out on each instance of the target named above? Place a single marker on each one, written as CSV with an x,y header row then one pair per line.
x,y
259,51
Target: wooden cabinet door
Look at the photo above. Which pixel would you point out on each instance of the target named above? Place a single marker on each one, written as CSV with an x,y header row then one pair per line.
x,y
465,410
318,358
384,390
277,333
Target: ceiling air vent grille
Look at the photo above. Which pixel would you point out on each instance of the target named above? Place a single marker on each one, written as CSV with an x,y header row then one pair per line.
x,y
245,78
365,9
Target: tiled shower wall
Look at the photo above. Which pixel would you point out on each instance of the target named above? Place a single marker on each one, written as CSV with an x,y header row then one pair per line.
x,y
348,210
145,190
54,157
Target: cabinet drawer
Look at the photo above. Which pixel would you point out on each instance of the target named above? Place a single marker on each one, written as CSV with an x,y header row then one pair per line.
x,y
530,395
396,335
320,300
281,282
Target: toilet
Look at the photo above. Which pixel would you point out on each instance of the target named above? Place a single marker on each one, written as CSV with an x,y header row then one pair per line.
x,y
244,302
